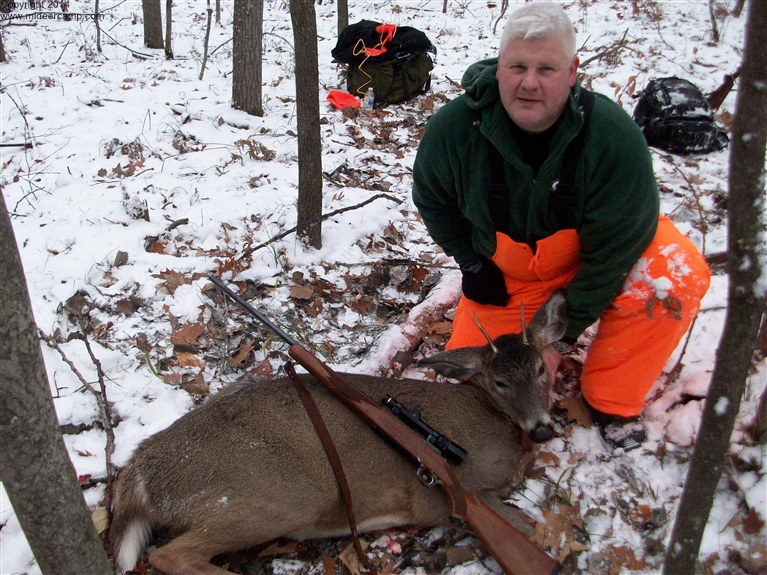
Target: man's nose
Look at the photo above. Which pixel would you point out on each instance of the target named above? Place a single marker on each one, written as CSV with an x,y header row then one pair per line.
x,y
530,80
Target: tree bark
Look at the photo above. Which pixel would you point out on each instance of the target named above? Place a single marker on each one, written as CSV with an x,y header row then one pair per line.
x,y
152,10
309,205
746,299
168,29
247,51
343,14
46,497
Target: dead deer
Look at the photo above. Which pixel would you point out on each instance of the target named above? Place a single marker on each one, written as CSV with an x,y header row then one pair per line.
x,y
247,467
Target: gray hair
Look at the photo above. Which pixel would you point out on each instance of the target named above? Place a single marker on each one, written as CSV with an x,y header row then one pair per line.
x,y
540,21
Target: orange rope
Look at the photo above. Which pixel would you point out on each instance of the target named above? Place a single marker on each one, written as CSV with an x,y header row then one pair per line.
x,y
378,49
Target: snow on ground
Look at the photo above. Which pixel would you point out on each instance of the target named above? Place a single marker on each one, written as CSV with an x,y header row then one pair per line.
x,y
142,180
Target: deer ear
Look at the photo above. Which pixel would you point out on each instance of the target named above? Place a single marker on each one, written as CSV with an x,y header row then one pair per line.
x,y
550,321
458,364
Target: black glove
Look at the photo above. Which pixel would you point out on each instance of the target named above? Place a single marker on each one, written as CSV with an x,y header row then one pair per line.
x,y
483,282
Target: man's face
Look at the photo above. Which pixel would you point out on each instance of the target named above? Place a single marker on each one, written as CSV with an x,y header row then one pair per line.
x,y
534,78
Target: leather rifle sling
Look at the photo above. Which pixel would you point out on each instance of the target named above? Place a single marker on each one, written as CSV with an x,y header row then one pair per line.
x,y
333,457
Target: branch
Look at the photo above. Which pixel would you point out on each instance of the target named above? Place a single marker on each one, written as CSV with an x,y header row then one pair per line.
x,y
101,400
620,44
250,251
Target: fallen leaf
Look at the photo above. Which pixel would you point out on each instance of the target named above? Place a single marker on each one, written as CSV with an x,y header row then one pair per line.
x,y
196,385
558,531
171,378
100,519
188,335
189,360
173,279
547,458
577,411
279,547
243,353
350,558
302,292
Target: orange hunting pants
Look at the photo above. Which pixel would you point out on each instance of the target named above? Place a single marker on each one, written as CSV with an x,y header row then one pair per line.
x,y
636,334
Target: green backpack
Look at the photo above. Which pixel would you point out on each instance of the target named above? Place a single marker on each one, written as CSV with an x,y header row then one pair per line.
x,y
391,82
399,72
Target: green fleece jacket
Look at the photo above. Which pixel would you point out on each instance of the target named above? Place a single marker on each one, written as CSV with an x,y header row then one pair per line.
x,y
616,204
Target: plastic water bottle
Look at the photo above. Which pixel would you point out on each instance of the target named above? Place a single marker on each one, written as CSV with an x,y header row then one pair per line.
x,y
368,101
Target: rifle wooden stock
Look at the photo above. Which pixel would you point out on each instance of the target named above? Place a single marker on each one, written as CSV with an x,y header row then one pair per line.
x,y
515,553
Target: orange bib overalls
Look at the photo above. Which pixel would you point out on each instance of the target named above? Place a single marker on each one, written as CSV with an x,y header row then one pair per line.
x,y
636,334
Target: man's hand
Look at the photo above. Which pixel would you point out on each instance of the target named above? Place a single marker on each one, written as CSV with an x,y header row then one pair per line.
x,y
483,282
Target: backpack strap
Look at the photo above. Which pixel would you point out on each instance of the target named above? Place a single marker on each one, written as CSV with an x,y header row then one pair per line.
x,y
497,194
563,190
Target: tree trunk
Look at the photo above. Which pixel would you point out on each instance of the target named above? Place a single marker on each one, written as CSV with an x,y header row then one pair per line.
x,y
309,205
46,497
2,48
746,299
343,14
247,53
152,10
168,29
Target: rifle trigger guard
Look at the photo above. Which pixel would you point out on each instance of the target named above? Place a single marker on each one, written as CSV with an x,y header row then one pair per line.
x,y
427,477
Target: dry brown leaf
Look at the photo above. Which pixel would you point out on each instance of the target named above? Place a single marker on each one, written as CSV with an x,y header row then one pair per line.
x,y
547,458
242,355
752,523
558,534
171,378
577,411
302,292
100,519
625,559
196,385
188,335
173,279
263,369
350,558
189,360
361,304
315,308
279,547
329,563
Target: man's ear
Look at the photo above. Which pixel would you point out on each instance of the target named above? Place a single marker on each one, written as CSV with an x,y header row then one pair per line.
x,y
574,70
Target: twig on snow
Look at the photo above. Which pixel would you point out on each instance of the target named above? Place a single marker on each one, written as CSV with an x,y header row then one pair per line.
x,y
250,251
101,400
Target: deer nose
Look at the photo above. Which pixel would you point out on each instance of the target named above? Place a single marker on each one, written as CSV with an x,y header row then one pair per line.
x,y
542,432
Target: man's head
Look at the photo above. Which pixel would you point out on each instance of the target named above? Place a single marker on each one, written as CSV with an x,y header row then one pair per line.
x,y
537,65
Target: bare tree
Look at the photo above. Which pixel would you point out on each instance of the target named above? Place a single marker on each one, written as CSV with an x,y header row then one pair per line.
x,y
168,29
61,536
343,14
746,299
152,11
308,116
247,51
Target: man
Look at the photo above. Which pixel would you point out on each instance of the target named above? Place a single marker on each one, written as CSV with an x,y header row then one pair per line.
x,y
484,183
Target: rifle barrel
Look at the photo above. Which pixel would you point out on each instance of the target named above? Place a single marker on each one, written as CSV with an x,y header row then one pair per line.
x,y
253,311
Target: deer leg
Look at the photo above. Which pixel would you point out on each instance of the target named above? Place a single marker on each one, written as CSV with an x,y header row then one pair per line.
x,y
186,555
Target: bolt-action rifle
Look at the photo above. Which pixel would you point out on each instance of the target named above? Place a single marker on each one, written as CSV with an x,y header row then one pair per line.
x,y
515,553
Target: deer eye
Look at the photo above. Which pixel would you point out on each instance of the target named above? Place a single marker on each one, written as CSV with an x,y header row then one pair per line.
x,y
500,384
541,370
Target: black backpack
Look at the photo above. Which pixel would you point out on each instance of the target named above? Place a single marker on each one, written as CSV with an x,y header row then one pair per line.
x,y
675,116
400,73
